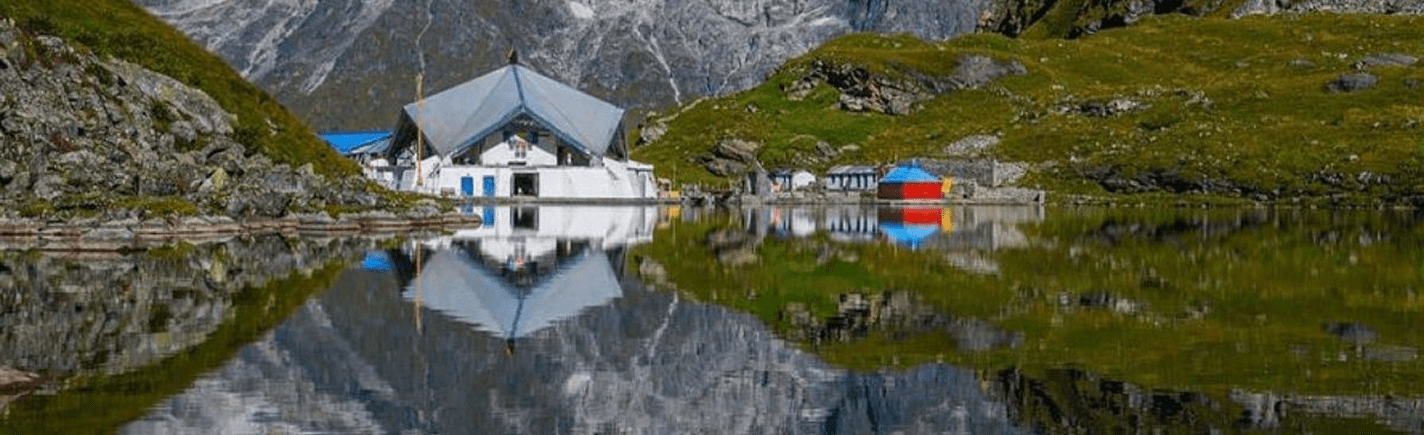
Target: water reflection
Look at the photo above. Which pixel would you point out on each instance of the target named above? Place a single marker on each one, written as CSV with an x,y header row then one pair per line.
x,y
78,329
426,348
527,266
576,319
961,233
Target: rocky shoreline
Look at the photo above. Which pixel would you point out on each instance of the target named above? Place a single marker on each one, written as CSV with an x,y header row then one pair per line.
x,y
93,235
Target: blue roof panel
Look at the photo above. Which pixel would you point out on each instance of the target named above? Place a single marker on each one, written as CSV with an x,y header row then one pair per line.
x,y
345,141
907,174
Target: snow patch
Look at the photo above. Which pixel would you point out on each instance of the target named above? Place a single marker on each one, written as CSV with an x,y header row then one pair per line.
x,y
581,11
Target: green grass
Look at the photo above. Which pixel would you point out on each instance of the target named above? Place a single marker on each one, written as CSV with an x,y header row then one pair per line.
x,y
1234,102
125,31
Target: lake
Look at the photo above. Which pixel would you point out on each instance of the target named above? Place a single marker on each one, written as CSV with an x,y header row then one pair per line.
x,y
786,319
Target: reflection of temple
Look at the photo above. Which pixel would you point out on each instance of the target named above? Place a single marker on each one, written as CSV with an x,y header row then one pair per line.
x,y
527,266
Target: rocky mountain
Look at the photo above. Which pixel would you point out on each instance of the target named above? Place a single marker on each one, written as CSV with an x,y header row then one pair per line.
x,y
92,135
349,64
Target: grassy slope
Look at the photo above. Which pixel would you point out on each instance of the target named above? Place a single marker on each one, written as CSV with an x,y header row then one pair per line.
x,y
124,30
1270,126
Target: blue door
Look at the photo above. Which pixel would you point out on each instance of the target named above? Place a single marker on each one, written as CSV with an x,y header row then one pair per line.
x,y
467,186
489,186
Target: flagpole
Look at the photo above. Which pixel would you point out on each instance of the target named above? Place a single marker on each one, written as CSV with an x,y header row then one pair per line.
x,y
419,135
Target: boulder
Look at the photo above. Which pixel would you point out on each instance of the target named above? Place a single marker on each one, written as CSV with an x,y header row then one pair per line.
x,y
1352,82
724,167
736,149
1386,59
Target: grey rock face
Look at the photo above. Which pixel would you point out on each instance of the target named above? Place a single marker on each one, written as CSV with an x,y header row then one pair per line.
x,y
864,91
1254,7
642,53
80,132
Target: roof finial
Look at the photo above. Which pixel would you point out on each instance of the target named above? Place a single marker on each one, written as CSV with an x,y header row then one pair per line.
x,y
512,55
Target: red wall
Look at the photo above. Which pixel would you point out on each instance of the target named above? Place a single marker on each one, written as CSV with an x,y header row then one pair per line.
x,y
913,190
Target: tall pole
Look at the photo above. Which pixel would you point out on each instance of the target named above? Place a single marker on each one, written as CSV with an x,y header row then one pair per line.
x,y
419,135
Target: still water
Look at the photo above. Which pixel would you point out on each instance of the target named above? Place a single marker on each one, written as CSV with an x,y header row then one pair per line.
x,y
581,319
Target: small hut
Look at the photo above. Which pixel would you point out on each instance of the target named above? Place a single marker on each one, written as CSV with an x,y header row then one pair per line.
x,y
790,180
851,178
908,181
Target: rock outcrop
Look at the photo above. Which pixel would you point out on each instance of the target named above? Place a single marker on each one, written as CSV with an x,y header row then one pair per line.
x,y
898,93
85,136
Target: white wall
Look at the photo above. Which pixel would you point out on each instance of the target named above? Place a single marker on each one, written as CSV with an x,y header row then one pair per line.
x,y
802,179
503,154
609,182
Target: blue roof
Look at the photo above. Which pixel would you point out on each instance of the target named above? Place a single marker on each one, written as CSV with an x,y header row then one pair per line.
x,y
376,261
345,141
910,235
908,173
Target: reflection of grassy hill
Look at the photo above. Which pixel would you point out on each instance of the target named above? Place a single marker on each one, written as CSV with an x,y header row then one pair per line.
x,y
1228,106
124,30
1207,302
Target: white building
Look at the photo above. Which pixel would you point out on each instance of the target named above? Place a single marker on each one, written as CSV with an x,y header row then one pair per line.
x,y
513,133
789,180
852,178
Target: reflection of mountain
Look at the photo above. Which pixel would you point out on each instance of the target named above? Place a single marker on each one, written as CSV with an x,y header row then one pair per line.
x,y
354,360
1074,401
1273,411
66,316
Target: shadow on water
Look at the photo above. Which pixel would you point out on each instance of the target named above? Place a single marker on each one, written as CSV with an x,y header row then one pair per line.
x,y
588,319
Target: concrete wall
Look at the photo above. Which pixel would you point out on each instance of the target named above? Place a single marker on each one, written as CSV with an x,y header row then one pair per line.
x,y
579,182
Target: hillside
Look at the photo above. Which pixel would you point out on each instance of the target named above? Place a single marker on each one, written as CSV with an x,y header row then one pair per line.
x,y
109,113
1265,108
125,31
